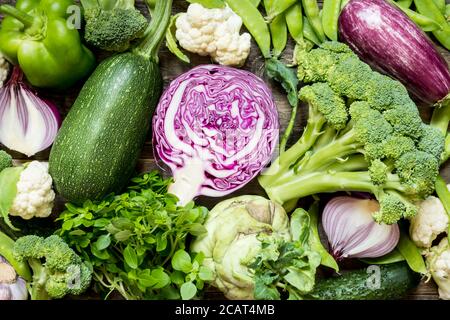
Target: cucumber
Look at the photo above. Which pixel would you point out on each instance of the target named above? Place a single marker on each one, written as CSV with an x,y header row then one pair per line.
x,y
395,281
98,145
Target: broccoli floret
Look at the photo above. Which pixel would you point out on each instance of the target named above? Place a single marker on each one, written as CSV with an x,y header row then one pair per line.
x,y
5,160
112,25
364,133
57,269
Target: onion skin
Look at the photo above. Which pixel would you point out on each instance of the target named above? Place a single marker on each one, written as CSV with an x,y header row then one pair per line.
x,y
385,38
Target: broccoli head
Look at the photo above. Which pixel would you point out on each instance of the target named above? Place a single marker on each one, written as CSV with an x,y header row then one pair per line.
x,y
57,269
112,25
5,160
364,133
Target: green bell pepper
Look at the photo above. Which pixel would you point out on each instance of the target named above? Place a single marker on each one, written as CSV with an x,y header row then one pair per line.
x,y
36,35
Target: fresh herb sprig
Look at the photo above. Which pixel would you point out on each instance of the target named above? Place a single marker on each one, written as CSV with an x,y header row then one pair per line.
x,y
135,242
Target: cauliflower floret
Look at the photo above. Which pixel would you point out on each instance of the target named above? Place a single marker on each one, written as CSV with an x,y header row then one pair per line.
x,y
34,192
213,32
4,70
430,221
438,261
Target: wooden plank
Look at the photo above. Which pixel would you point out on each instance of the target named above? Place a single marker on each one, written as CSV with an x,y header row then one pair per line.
x,y
171,68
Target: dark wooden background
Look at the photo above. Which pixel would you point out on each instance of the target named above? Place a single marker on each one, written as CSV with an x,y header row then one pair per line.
x,y
171,67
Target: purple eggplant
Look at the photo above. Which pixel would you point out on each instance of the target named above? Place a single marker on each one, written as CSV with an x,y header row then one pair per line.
x,y
384,37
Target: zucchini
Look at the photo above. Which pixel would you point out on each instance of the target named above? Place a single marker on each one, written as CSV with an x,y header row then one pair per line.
x,y
395,281
99,143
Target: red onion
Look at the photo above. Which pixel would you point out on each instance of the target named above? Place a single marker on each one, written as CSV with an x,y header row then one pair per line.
x,y
352,231
28,124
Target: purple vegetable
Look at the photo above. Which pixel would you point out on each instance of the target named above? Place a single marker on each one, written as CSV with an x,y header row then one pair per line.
x,y
384,37
216,128
28,124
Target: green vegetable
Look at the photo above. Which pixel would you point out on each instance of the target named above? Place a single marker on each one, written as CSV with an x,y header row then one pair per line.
x,y
393,154
384,282
392,257
309,33
5,160
443,194
171,41
441,121
7,251
412,254
425,23
38,36
405,3
314,239
289,265
278,30
312,11
277,7
440,4
330,15
57,270
112,24
428,8
100,140
294,21
136,241
210,4
8,184
254,22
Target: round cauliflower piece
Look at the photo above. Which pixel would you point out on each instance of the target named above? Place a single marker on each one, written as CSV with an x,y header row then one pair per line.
x,y
34,192
430,221
4,70
215,33
438,261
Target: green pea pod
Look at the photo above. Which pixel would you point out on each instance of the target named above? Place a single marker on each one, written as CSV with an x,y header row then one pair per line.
x,y
440,4
404,3
254,22
330,15
277,7
278,29
411,254
444,195
309,33
171,41
428,8
424,23
255,3
210,4
294,21
312,12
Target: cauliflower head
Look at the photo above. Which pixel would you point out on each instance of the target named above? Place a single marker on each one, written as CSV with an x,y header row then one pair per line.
x,y
430,221
438,261
215,33
4,70
232,243
34,196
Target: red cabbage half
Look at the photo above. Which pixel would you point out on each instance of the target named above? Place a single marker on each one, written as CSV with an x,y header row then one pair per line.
x,y
216,128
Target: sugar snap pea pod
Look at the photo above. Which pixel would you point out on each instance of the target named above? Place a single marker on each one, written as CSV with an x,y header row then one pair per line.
x,y
424,23
428,8
278,7
278,30
312,12
447,11
330,16
255,3
294,21
210,4
171,42
404,3
309,33
440,4
254,22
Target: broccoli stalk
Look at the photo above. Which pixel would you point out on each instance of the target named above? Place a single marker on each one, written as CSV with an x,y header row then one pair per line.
x,y
112,25
441,120
57,269
363,134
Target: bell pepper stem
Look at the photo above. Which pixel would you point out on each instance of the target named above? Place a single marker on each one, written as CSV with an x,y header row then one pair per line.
x,y
156,31
9,10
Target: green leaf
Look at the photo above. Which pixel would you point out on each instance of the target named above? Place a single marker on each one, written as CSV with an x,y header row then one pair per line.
x,y
161,277
177,277
287,77
265,292
188,291
77,232
102,255
392,257
300,225
210,4
197,229
161,242
412,254
103,242
130,256
67,225
9,178
123,235
181,261
205,274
